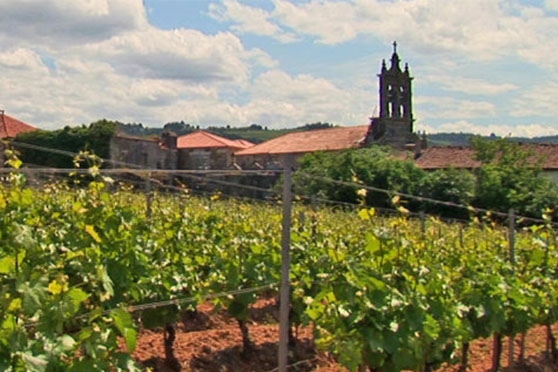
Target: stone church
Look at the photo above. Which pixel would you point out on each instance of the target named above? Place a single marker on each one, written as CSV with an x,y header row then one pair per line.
x,y
394,126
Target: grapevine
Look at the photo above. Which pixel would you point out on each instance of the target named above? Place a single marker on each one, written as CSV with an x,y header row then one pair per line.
x,y
80,260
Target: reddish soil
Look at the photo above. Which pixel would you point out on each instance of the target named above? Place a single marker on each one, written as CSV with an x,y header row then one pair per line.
x,y
210,341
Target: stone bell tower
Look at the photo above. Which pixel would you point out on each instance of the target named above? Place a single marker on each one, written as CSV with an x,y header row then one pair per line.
x,y
394,126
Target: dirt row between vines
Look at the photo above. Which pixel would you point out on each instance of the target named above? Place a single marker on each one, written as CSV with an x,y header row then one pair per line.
x,y
210,341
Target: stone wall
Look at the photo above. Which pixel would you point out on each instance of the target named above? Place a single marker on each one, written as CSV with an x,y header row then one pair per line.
x,y
205,158
145,153
392,132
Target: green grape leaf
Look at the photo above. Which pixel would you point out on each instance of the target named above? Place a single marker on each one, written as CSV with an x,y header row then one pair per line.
x,y
34,363
349,353
106,281
126,363
77,296
125,325
374,339
372,243
33,295
65,343
7,265
90,229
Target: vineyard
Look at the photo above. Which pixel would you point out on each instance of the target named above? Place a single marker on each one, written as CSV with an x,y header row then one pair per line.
x,y
86,265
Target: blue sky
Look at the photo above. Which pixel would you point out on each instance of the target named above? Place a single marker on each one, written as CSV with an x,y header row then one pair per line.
x,y
481,66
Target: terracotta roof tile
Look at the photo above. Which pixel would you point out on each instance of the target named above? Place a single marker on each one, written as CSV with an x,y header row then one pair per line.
x,y
309,141
464,157
447,157
244,143
11,127
202,139
547,153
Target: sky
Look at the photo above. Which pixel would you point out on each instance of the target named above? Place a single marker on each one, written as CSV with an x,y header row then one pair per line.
x,y
479,66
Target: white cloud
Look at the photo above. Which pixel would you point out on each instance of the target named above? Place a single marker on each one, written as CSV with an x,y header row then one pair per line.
x,y
50,23
332,22
281,100
124,69
468,85
430,107
150,92
22,59
477,29
538,101
247,19
276,100
551,4
177,54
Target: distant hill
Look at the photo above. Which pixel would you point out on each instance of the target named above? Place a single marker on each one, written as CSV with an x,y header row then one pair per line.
x,y
462,139
448,139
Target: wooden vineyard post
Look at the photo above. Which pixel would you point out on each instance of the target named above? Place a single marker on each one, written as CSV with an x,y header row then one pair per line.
x,y
285,265
314,218
511,238
148,197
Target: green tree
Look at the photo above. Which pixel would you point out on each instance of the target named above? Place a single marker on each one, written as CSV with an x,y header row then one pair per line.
x,y
179,128
375,167
95,138
449,185
510,177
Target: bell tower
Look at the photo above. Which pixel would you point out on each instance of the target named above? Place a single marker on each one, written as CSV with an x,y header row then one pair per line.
x,y
394,126
395,90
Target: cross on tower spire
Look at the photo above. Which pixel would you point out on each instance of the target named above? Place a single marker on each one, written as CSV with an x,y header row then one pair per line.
x,y
394,47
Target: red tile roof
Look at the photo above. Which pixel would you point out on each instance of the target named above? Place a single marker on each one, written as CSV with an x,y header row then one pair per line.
x,y
464,157
245,144
339,138
11,127
202,139
447,157
546,153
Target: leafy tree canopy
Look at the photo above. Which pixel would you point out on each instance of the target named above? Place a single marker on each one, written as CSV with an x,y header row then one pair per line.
x,y
509,177
94,137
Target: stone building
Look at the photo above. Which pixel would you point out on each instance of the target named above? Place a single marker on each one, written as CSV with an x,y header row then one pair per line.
x,y
199,150
203,150
147,153
394,126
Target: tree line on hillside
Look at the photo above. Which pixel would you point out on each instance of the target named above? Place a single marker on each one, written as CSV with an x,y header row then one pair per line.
x,y
464,139
506,180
